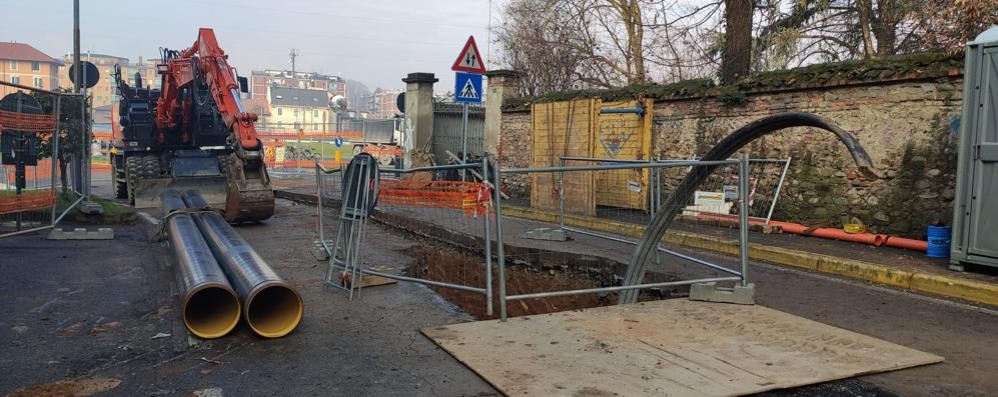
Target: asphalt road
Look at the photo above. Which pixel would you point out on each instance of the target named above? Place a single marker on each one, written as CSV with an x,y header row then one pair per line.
x,y
86,313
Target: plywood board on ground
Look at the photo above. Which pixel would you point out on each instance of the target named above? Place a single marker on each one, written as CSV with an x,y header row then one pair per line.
x,y
370,280
674,347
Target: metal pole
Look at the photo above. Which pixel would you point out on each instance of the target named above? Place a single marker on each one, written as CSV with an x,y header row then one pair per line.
x,y
19,169
743,221
561,195
464,137
488,241
55,154
87,155
499,244
318,206
77,86
772,206
550,294
653,202
76,47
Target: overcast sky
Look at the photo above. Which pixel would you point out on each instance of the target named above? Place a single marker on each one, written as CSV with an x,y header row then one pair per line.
x,y
374,41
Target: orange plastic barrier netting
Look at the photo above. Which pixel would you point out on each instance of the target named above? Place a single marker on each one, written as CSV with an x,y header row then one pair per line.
x,y
384,150
27,122
472,197
28,201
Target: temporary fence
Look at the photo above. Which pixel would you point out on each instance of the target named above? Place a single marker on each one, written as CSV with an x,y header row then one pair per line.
x,y
649,187
611,250
428,201
434,203
30,188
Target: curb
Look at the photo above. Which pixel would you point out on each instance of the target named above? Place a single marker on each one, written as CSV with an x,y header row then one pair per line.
x,y
950,287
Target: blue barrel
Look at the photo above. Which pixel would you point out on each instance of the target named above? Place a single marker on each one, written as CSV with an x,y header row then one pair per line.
x,y
939,240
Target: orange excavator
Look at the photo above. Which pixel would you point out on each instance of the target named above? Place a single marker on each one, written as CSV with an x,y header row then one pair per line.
x,y
193,133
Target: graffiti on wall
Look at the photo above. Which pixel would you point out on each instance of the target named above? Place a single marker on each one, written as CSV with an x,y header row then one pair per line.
x,y
612,142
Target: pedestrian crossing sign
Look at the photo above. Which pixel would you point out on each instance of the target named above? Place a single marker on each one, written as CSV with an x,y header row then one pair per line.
x,y
467,88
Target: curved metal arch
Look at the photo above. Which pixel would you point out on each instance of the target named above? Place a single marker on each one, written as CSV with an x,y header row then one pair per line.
x,y
724,149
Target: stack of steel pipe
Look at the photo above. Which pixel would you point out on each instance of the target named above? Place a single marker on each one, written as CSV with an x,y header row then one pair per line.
x,y
271,307
209,306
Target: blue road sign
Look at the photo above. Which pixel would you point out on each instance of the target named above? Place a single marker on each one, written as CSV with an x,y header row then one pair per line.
x,y
467,87
338,142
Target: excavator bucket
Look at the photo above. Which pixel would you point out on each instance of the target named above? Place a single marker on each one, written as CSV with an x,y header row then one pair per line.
x,y
147,191
189,171
250,194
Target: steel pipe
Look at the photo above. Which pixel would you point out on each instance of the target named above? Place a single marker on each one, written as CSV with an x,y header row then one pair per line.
x,y
209,305
271,307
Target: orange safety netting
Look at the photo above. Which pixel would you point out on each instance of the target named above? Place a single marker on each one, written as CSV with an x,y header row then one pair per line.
x,y
383,150
34,200
474,198
27,122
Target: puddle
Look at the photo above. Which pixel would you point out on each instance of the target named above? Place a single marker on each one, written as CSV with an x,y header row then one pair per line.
x,y
434,261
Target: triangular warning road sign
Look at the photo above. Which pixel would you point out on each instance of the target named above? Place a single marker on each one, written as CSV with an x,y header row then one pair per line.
x,y
469,60
468,91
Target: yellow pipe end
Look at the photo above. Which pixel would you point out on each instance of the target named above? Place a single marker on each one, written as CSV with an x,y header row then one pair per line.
x,y
273,310
211,311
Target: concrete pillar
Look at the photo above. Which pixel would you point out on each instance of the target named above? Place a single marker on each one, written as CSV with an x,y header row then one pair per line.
x,y
417,143
502,84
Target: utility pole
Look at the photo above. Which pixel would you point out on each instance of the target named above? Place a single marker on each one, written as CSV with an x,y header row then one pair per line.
x,y
293,53
80,162
76,163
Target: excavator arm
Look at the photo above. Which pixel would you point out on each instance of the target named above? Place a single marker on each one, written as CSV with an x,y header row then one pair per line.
x,y
249,196
221,79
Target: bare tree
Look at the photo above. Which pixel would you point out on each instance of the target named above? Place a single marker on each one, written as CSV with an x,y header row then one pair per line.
x,y
950,24
578,44
566,44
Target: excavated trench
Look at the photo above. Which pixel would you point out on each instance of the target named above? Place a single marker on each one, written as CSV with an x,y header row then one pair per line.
x,y
440,261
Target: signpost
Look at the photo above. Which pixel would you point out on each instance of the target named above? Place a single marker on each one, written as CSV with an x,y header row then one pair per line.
x,y
338,141
468,67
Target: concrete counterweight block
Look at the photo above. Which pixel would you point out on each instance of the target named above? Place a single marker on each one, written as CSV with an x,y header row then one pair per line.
x,y
711,292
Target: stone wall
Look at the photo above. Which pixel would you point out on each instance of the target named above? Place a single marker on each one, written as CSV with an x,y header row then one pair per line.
x,y
908,120
515,150
909,128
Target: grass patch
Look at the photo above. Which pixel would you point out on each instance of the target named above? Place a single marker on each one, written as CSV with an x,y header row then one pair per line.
x,y
113,212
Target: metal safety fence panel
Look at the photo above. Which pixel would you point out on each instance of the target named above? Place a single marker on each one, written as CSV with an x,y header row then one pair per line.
x,y
32,197
593,253
291,150
433,203
718,195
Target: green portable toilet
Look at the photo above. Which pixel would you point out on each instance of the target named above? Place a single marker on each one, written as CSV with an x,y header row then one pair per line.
x,y
975,214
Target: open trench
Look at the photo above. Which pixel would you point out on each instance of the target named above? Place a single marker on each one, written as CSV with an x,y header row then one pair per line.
x,y
442,262
454,257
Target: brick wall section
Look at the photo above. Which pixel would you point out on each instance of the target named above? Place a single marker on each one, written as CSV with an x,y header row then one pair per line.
x,y
909,126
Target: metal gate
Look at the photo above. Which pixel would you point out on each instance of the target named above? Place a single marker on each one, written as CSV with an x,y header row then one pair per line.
x,y
447,132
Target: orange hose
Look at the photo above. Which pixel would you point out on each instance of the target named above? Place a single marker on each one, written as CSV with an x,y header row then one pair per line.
x,y
907,243
875,240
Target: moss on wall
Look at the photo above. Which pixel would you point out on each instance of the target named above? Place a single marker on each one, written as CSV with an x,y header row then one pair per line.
x,y
837,73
